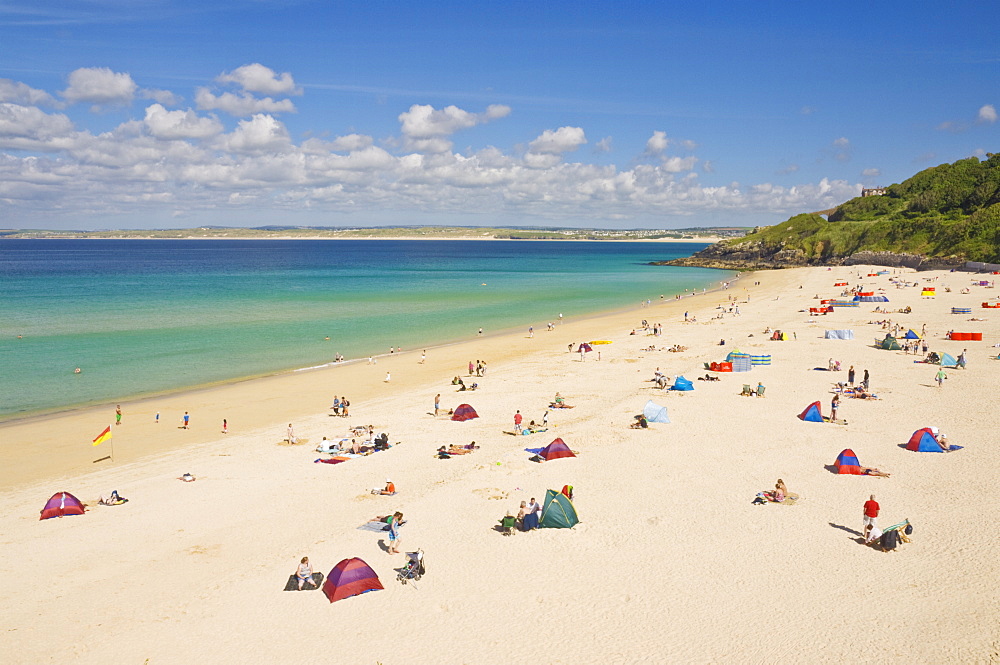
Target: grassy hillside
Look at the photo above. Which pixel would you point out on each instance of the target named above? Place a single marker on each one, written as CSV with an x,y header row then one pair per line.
x,y
949,211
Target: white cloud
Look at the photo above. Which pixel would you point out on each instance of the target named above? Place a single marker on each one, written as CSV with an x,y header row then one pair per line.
x,y
679,164
871,173
258,78
99,86
169,125
259,133
688,144
791,168
242,104
987,114
657,143
842,142
425,127
26,126
20,93
564,139
164,97
604,145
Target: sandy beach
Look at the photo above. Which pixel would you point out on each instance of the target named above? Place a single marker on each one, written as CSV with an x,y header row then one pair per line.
x,y
671,561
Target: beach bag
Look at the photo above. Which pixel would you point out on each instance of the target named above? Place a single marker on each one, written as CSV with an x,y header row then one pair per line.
x,y
908,530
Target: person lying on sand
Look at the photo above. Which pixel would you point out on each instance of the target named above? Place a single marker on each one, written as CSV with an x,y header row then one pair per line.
x,y
872,471
458,450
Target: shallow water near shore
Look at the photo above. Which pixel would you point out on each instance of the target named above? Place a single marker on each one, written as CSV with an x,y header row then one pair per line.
x,y
147,316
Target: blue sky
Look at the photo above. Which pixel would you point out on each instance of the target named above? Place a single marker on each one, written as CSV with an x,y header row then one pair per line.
x,y
173,113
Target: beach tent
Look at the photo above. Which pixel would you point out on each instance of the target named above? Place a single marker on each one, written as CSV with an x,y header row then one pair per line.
x,y
349,578
812,413
948,360
733,354
889,344
847,462
923,441
62,503
464,412
910,334
839,334
655,413
558,512
555,450
584,347
680,383
760,360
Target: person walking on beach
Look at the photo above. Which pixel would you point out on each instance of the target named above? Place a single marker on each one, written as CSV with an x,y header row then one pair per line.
x,y
344,404
940,377
437,403
871,509
864,380
834,404
545,418
531,331
388,376
423,356
157,418
395,522
187,420
225,426
118,415
517,420
472,368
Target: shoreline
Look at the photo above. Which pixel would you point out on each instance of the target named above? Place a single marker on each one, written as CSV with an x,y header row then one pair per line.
x,y
669,505
235,390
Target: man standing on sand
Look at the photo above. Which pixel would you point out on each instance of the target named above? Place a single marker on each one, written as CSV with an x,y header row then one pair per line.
x,y
517,421
187,420
871,511
864,381
118,415
940,377
437,403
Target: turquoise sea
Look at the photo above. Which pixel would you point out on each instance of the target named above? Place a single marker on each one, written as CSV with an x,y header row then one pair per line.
x,y
142,317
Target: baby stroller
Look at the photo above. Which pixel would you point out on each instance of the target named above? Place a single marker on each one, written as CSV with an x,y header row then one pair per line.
x,y
414,568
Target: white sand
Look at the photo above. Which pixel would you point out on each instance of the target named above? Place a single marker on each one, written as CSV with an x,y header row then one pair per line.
x,y
670,563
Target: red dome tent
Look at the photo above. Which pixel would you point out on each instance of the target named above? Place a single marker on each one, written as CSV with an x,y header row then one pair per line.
x,y
62,503
555,450
847,462
349,578
464,412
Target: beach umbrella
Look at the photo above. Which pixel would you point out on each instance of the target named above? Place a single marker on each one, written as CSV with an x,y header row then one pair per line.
x,y
586,348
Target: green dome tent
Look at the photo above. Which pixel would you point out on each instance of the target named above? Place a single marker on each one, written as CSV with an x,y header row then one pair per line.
x,y
558,512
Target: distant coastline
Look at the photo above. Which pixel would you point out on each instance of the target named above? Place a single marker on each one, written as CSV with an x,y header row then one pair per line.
x,y
706,235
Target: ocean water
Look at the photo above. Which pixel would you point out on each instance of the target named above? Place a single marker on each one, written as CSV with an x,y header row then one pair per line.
x,y
141,317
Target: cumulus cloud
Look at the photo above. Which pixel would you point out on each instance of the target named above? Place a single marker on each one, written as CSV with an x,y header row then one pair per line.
x,y
259,133
99,86
256,77
425,127
871,173
20,93
679,164
171,125
27,127
240,105
987,114
657,143
562,140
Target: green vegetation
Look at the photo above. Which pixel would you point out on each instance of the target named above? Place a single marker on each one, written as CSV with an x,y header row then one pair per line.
x,y
950,211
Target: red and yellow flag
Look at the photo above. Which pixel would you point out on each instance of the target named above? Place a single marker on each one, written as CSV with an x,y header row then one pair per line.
x,y
103,436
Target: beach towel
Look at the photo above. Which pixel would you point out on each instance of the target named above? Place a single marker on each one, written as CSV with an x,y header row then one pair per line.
x,y
332,460
293,583
375,525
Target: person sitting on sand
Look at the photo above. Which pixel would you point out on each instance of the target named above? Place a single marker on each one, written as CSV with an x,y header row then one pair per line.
x,y
461,385
872,534
388,490
520,515
355,447
779,493
327,446
872,471
188,478
640,422
305,573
